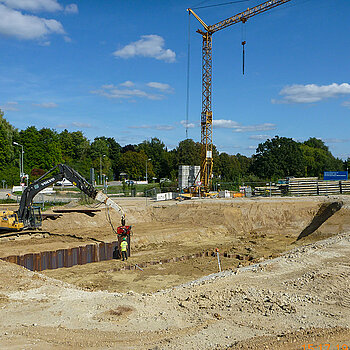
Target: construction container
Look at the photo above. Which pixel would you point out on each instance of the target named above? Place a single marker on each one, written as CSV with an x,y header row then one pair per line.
x,y
187,175
165,196
225,194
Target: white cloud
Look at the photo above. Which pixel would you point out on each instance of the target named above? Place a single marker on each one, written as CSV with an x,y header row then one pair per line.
x,y
344,156
223,123
346,104
10,106
188,125
14,23
143,126
127,83
147,46
46,105
71,8
75,125
259,137
231,124
334,140
45,43
33,5
164,127
227,147
62,126
127,92
160,86
256,127
155,127
311,93
108,86
81,125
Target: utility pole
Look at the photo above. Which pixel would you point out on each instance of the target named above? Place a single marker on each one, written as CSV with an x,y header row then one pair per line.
x,y
101,168
146,169
21,170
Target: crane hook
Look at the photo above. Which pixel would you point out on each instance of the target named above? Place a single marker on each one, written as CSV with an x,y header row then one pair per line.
x,y
243,45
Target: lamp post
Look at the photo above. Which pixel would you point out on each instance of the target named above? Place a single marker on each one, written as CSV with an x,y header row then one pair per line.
x,y
21,170
146,169
101,168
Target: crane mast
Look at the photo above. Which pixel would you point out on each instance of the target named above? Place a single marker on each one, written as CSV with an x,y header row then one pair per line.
x,y
206,168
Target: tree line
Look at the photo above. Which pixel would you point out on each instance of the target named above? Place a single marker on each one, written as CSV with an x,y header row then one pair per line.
x,y
44,148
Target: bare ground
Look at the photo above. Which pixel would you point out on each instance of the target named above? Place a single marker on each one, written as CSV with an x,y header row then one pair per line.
x,y
262,300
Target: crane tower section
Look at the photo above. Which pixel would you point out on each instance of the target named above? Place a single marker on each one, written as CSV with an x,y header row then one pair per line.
x,y
207,113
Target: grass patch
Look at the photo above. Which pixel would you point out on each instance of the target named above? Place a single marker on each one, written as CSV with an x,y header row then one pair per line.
x,y
7,200
48,205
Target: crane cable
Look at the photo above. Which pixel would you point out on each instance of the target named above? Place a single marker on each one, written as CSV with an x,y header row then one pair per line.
x,y
243,43
188,72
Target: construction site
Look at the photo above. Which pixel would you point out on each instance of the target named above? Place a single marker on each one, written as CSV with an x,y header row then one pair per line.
x,y
283,283
200,266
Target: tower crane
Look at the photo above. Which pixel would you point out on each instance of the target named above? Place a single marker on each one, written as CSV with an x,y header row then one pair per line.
x,y
206,168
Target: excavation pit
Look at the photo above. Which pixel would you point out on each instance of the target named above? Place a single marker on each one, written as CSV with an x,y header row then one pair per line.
x,y
173,243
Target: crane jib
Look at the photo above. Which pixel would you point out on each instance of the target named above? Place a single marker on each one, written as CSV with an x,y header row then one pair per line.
x,y
243,16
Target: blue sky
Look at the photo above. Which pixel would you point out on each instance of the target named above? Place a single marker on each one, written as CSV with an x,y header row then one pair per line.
x,y
119,69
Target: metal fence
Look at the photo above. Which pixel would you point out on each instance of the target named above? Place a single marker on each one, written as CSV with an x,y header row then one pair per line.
x,y
292,187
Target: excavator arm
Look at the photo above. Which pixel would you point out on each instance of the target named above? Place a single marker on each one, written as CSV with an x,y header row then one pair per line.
x,y
57,173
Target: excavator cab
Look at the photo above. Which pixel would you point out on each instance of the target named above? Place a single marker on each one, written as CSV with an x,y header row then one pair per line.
x,y
35,218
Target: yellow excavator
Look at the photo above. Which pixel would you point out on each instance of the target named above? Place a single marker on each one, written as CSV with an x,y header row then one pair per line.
x,y
28,217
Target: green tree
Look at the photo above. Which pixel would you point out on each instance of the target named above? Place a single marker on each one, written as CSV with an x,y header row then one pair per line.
x,y
155,150
188,153
316,143
277,158
7,135
134,164
114,153
74,146
41,148
9,163
108,151
318,158
230,169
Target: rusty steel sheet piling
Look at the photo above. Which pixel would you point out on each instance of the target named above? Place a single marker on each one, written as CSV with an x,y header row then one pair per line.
x,y
96,252
49,260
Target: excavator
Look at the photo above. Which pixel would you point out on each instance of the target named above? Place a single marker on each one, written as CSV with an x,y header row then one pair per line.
x,y
28,217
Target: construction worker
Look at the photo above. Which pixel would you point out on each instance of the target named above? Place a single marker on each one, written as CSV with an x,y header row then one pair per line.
x,y
124,249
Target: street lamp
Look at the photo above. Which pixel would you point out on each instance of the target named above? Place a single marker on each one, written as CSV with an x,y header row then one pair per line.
x,y
146,169
101,168
21,170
